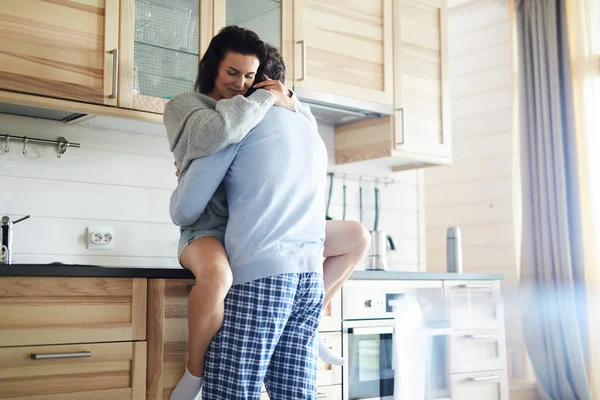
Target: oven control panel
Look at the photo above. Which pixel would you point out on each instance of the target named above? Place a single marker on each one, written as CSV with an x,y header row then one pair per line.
x,y
378,299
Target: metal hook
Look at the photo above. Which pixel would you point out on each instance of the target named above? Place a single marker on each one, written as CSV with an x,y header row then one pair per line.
x,y
25,145
6,148
63,144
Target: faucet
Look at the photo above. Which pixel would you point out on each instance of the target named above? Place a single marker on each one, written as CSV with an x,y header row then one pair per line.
x,y
6,231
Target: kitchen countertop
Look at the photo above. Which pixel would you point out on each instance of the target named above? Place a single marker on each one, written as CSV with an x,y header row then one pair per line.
x,y
91,271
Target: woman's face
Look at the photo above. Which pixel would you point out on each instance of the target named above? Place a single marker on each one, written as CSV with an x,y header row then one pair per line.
x,y
235,75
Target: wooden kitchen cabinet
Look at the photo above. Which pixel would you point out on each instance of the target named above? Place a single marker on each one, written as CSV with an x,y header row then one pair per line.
x,y
38,311
344,48
419,133
107,371
168,335
61,49
72,338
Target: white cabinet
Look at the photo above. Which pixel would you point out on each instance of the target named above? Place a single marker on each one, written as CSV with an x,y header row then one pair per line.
x,y
478,344
489,385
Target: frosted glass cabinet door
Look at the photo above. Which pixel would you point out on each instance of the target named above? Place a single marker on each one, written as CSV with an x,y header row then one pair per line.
x,y
260,16
160,44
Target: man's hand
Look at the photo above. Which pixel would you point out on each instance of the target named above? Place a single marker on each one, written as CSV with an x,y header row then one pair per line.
x,y
176,172
281,93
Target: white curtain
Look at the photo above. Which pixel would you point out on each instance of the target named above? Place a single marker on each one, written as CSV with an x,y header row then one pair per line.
x,y
583,21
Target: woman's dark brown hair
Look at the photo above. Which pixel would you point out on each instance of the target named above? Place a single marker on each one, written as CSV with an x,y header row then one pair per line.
x,y
230,38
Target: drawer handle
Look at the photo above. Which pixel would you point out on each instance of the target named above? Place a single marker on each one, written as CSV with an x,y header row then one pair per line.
x,y
481,336
321,395
475,286
483,378
52,356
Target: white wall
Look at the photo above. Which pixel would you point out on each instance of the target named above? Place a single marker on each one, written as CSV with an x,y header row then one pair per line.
x,y
124,180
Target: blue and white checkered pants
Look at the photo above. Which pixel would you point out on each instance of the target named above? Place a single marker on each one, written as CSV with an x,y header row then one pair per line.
x,y
268,334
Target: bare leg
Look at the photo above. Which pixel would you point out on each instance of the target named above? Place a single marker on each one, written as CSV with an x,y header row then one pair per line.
x,y
207,259
346,243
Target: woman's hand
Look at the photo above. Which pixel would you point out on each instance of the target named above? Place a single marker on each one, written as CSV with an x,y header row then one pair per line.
x,y
281,93
176,172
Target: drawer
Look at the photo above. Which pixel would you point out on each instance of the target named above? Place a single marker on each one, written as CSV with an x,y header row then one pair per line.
x,y
323,393
114,371
474,304
489,385
477,350
39,311
331,319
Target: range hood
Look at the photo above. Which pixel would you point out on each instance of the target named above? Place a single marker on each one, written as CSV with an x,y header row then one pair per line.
x,y
331,109
37,112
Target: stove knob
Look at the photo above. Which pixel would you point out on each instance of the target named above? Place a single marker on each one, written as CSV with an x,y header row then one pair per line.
x,y
369,303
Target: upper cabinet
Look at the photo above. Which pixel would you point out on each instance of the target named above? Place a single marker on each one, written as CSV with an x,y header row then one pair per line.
x,y
62,49
421,77
418,134
344,47
161,45
376,57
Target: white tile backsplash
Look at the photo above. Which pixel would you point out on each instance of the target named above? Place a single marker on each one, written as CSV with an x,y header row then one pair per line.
x,y
125,180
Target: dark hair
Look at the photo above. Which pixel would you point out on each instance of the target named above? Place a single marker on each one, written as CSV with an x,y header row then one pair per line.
x,y
273,67
230,38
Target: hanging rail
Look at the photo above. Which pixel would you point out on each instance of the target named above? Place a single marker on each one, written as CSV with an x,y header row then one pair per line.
x,y
363,178
61,143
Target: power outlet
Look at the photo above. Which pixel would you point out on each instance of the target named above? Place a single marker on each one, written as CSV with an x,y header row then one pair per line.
x,y
100,238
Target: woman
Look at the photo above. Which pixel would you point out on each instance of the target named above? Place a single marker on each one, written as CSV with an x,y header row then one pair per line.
x,y
219,114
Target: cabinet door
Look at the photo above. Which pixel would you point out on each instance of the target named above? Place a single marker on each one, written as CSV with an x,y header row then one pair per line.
x,y
477,350
474,304
114,371
46,310
167,335
162,42
491,385
344,47
421,97
62,49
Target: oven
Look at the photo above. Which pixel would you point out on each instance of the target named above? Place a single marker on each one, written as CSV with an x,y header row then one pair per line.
x,y
369,330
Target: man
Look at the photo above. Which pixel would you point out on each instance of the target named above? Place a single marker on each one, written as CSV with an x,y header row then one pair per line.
x,y
274,181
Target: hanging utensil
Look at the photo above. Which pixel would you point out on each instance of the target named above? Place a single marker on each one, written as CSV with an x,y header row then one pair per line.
x,y
379,241
327,217
360,200
344,199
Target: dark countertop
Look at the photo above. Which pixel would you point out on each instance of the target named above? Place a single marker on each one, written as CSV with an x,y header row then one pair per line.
x,y
91,271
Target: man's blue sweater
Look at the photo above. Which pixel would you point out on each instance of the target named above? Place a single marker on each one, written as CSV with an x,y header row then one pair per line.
x,y
275,185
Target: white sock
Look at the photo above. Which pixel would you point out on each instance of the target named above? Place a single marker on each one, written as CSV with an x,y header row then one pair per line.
x,y
327,355
188,388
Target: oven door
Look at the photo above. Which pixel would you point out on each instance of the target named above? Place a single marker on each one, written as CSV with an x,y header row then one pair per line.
x,y
367,347
369,370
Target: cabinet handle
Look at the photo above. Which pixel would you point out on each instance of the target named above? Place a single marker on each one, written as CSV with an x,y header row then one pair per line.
x,y
115,77
474,286
303,43
403,126
51,356
483,378
321,395
481,336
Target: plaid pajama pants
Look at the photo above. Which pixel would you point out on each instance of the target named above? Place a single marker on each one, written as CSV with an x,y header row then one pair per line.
x,y
268,334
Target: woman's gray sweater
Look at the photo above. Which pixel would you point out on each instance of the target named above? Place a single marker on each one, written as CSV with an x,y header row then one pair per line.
x,y
198,125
